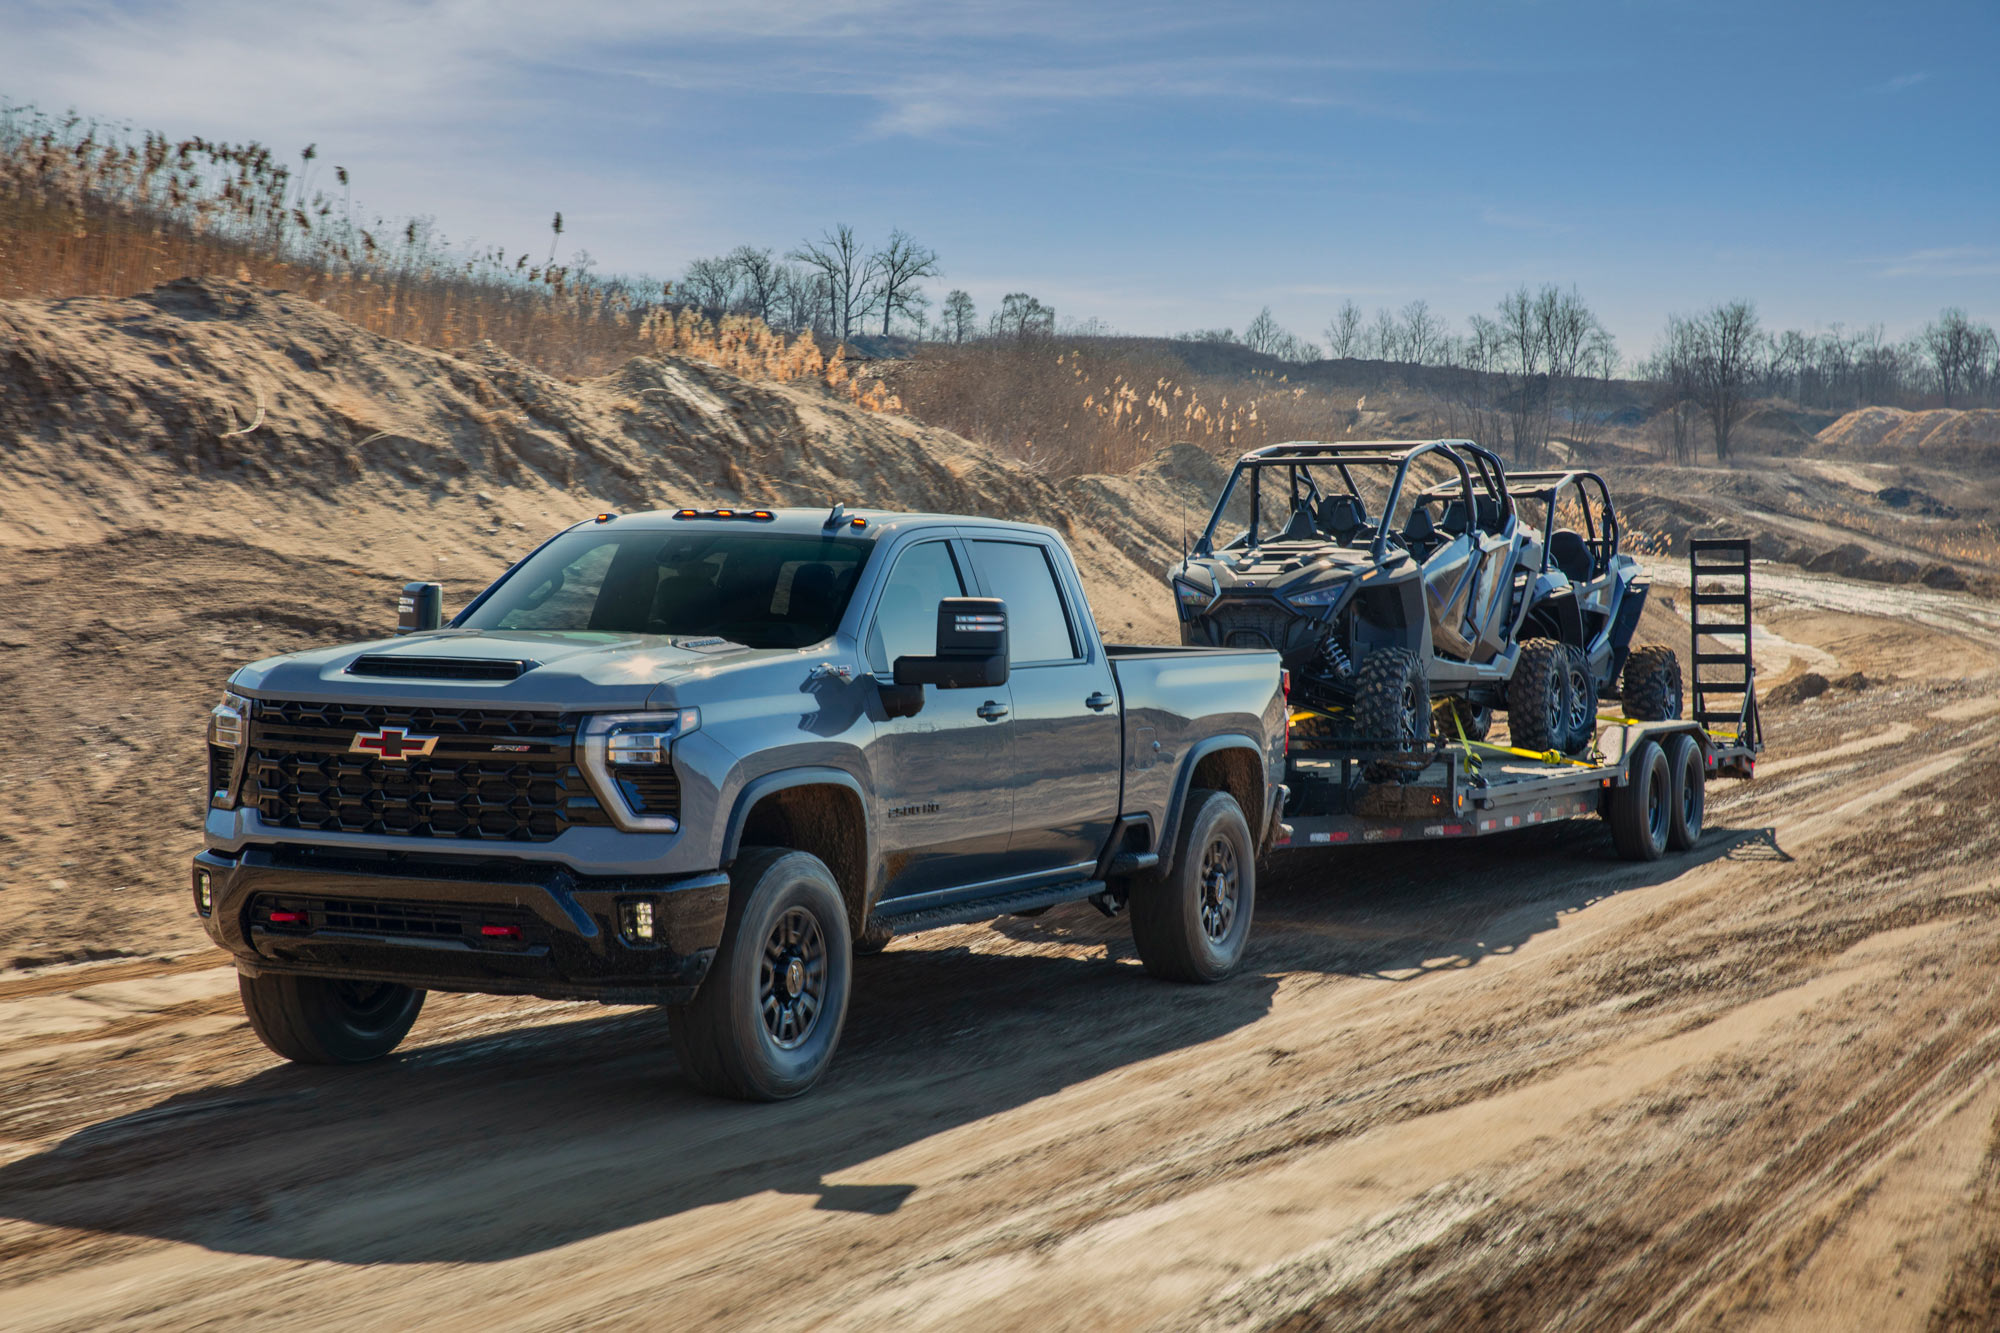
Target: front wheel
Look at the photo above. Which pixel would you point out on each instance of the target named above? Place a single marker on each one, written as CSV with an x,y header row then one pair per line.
x,y
318,1021
1193,922
765,1022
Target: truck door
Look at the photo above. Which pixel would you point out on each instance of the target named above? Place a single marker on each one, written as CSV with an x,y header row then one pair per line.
x,y
944,808
1066,740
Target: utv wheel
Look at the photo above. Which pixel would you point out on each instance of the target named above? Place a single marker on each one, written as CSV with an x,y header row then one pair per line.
x,y
1582,701
1192,923
1538,697
1687,802
1652,685
316,1021
764,1024
1392,701
1640,808
1463,717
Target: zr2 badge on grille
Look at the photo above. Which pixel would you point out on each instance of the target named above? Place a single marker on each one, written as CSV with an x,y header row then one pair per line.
x,y
392,743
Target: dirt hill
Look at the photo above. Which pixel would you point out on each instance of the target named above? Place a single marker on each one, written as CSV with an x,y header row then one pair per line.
x,y
1940,436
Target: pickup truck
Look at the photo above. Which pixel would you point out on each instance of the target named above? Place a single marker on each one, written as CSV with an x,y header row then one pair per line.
x,y
702,757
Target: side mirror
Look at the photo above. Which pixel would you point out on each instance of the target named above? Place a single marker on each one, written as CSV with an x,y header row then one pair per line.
x,y
971,647
420,608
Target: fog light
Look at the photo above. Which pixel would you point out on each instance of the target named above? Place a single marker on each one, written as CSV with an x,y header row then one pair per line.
x,y
637,922
204,892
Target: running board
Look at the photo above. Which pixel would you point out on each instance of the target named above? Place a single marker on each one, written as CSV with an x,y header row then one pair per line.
x,y
985,909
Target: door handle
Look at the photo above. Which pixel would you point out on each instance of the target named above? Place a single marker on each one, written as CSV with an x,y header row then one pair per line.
x,y
992,711
1099,701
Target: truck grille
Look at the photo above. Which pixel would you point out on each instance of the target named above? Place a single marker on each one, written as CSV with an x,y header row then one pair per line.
x,y
492,774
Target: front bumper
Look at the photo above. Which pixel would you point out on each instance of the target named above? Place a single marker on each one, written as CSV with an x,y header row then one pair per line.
x,y
488,925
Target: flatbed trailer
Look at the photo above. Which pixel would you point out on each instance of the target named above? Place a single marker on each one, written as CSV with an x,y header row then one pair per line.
x,y
1354,794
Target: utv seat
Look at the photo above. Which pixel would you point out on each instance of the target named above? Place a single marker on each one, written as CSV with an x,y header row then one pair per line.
x,y
1420,532
1488,513
1453,522
1341,517
1572,555
1300,529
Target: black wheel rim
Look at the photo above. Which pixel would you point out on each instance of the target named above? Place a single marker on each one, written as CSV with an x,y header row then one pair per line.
x,y
1416,718
1691,797
1656,812
792,979
1582,704
1220,882
370,1005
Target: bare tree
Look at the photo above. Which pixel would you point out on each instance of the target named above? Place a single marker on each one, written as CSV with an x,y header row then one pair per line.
x,y
1422,333
959,315
1022,316
1958,351
801,301
848,277
1725,341
757,280
1344,334
1523,361
1385,337
709,284
897,268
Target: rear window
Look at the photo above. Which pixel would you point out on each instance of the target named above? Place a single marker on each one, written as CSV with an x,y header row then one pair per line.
x,y
1037,626
764,590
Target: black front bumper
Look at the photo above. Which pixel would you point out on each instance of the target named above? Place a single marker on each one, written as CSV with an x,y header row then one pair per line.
x,y
494,926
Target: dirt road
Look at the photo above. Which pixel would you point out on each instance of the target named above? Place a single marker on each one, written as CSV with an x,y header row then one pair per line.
x,y
1511,1084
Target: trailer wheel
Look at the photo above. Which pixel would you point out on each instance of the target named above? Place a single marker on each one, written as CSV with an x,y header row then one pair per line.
x,y
1689,798
318,1021
1538,705
1652,686
1193,922
1640,810
765,1022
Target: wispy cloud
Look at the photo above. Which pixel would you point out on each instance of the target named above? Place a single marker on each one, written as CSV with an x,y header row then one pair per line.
x,y
1901,82
1954,261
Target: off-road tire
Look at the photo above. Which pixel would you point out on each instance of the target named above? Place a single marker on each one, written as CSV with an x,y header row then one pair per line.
x,y
732,1037
318,1021
1640,810
1687,802
1188,925
1462,715
1651,690
1582,701
1392,700
1538,697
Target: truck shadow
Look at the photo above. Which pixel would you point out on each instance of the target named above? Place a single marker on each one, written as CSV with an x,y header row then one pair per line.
x,y
491,1148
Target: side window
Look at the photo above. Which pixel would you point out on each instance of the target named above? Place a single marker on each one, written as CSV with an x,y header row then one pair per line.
x,y
906,618
1018,573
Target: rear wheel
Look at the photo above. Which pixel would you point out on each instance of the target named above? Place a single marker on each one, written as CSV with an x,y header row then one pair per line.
x,y
764,1024
1538,697
317,1021
1462,717
1651,691
1193,922
1392,702
1640,809
1582,701
1688,801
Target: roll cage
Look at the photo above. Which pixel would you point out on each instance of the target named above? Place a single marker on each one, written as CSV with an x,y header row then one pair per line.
x,y
1298,458
1600,539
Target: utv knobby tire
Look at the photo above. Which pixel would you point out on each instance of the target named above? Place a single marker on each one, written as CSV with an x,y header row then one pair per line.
x,y
1538,703
1392,701
1187,924
1687,797
319,1021
1582,702
1639,811
1462,716
742,1035
1651,690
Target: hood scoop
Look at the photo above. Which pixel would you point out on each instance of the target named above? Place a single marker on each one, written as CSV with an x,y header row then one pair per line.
x,y
412,667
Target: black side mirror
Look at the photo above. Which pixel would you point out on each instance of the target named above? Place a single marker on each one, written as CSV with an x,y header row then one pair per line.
x,y
420,608
971,647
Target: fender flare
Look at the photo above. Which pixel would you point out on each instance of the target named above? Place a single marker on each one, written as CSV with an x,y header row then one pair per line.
x,y
1170,827
757,788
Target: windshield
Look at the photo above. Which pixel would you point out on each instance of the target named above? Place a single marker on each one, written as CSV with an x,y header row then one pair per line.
x,y
760,589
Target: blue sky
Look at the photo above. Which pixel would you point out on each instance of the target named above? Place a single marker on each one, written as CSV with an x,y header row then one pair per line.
x,y
1161,166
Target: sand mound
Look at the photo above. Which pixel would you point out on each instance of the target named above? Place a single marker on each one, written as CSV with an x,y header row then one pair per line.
x,y
1941,435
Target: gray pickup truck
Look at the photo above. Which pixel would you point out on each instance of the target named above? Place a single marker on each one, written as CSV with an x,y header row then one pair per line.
x,y
700,758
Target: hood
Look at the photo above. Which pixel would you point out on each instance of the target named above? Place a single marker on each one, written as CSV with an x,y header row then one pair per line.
x,y
1284,567
570,671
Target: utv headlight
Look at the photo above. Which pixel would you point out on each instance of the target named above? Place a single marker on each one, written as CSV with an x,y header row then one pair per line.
x,y
1326,596
1191,595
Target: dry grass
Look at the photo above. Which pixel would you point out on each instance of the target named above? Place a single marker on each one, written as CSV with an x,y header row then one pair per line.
x,y
90,212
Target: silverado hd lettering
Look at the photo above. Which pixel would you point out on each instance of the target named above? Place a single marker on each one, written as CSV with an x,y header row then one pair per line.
x,y
700,758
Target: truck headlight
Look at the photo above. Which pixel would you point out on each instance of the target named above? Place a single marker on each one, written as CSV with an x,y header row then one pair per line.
x,y
229,721
617,746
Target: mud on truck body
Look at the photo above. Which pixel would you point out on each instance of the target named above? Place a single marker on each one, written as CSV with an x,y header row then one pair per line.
x,y
700,758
